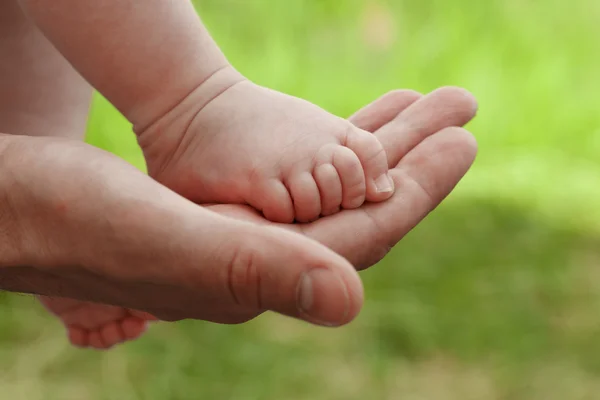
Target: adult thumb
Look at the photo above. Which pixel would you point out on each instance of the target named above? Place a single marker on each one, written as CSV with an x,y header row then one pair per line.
x,y
257,267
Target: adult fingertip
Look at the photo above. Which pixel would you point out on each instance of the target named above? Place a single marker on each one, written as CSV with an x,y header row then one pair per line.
x,y
325,298
463,101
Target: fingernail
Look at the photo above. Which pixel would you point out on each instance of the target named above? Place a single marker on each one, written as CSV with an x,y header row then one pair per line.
x,y
323,297
384,184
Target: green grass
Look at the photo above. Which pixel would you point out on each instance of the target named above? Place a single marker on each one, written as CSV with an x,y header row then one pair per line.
x,y
495,296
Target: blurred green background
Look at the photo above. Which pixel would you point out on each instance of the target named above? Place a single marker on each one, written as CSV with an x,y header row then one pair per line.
x,y
495,296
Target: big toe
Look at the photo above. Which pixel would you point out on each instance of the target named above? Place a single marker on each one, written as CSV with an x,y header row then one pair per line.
x,y
372,156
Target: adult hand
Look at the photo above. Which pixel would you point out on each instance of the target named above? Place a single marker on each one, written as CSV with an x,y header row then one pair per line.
x,y
428,153
78,222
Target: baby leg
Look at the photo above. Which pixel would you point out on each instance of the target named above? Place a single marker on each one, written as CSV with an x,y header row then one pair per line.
x,y
40,93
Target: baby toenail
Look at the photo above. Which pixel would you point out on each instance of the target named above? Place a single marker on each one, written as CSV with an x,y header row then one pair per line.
x,y
384,184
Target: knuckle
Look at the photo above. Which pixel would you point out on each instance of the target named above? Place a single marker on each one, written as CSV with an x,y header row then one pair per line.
x,y
243,278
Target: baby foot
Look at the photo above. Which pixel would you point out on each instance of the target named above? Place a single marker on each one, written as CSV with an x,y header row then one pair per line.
x,y
97,325
232,141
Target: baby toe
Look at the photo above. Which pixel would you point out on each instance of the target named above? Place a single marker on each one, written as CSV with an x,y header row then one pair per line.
x,y
373,159
96,341
274,200
305,197
351,175
330,188
143,315
78,336
133,327
112,334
